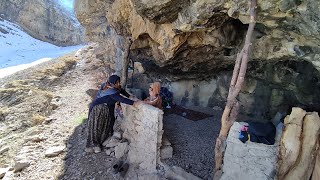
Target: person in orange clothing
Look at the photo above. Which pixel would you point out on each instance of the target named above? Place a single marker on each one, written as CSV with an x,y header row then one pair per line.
x,y
154,98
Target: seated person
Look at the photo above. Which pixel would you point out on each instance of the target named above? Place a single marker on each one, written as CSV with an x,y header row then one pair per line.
x,y
154,99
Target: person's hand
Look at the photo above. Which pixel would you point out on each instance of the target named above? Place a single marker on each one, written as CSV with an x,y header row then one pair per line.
x,y
137,103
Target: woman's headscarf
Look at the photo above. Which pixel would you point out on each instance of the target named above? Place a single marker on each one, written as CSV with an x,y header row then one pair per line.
x,y
156,87
106,88
113,79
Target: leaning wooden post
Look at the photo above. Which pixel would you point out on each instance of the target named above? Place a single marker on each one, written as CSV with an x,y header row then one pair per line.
x,y
232,106
126,60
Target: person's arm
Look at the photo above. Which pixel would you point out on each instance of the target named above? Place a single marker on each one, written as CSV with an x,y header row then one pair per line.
x,y
124,92
154,102
118,97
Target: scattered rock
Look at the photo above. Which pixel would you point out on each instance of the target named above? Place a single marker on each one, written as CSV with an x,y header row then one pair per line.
x,y
48,120
166,152
165,141
20,165
9,175
138,66
109,151
111,142
117,135
55,103
121,149
112,154
34,132
217,108
35,139
54,151
4,149
3,171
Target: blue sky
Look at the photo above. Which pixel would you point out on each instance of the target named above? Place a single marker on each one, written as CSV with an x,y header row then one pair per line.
x,y
68,4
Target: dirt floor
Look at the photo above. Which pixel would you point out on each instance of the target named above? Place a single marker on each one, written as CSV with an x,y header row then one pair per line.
x,y
62,123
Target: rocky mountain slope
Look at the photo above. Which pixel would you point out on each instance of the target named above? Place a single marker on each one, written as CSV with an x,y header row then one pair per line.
x,y
45,20
19,48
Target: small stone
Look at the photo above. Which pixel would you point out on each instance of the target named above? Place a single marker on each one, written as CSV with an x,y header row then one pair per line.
x,y
117,135
34,132
112,154
3,171
165,141
109,151
4,149
48,120
54,151
9,175
166,152
69,146
217,108
20,165
121,149
35,139
111,142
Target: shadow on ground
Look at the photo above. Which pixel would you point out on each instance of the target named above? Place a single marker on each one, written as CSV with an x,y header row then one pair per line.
x,y
81,165
192,142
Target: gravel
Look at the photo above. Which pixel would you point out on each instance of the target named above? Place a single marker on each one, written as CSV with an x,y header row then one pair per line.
x,y
193,142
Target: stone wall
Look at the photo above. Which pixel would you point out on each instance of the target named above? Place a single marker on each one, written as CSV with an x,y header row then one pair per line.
x,y
248,160
142,127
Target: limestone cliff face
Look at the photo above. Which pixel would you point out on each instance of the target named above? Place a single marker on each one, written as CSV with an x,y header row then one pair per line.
x,y
44,20
198,40
182,34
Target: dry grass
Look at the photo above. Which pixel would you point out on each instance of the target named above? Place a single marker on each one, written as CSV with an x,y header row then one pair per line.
x,y
57,69
4,111
30,97
37,119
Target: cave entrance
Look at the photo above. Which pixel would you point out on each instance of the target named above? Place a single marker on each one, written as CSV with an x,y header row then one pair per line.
x,y
192,132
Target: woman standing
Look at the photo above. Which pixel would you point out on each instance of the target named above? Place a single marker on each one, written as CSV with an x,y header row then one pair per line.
x,y
101,113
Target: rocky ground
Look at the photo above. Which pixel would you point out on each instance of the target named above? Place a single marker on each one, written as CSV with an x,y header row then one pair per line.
x,y
50,144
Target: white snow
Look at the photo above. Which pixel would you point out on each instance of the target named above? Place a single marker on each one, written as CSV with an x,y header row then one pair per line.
x,y
18,50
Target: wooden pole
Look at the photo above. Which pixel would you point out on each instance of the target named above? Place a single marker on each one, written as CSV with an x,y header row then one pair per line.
x,y
231,109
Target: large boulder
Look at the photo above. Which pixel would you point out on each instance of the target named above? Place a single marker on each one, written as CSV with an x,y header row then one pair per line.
x,y
299,145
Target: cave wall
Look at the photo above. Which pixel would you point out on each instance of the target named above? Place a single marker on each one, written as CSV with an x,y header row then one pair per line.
x,y
190,46
269,87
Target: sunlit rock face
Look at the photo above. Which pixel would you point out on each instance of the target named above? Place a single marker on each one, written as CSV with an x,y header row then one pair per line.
x,y
197,41
45,20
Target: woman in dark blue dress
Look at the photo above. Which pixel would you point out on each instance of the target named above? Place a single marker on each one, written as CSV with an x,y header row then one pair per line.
x,y
101,113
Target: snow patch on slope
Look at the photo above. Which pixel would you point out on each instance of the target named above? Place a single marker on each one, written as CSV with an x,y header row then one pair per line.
x,y
19,48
